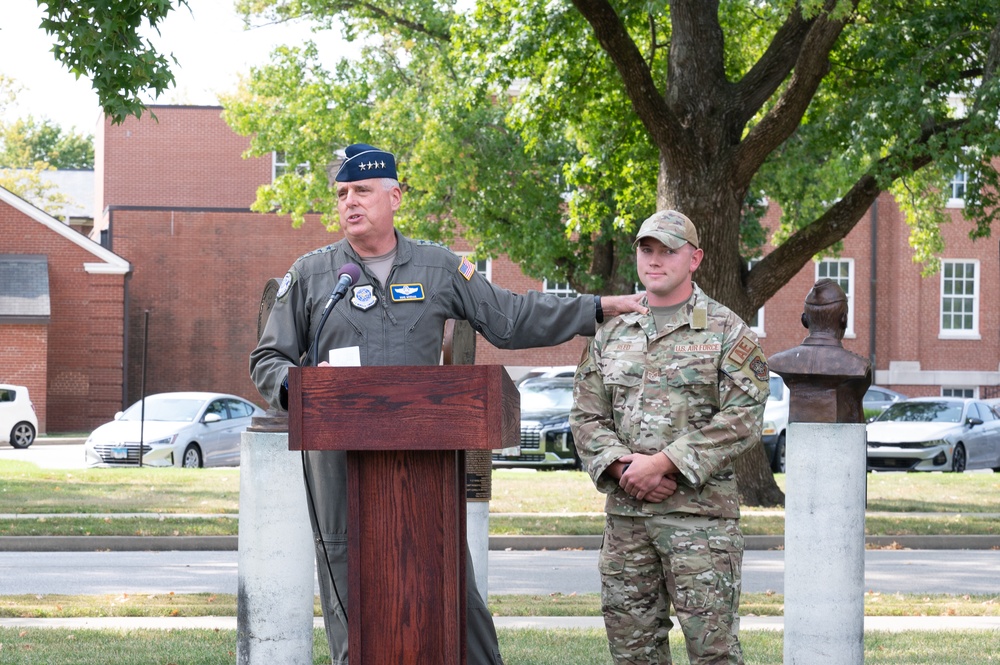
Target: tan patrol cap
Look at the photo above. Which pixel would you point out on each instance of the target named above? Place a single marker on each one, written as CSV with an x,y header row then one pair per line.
x,y
669,227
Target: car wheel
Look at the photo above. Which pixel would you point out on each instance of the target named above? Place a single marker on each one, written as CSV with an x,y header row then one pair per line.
x,y
22,435
192,457
958,460
778,463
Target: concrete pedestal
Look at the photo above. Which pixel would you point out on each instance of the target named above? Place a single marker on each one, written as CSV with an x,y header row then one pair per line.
x,y
825,497
477,532
277,561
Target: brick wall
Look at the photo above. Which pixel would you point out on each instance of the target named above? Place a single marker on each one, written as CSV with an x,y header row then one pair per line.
x,y
23,362
188,157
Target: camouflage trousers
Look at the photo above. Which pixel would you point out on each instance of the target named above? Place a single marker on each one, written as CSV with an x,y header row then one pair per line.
x,y
691,562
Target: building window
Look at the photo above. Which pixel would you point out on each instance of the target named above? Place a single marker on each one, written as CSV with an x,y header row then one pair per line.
x,y
562,289
957,187
842,272
279,165
960,299
483,266
756,322
947,391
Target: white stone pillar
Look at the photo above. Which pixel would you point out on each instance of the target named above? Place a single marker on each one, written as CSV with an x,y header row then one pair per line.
x,y
477,532
277,563
825,495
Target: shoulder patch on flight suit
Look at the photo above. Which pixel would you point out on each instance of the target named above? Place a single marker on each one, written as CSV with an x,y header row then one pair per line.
x,y
742,350
466,268
286,284
749,358
405,292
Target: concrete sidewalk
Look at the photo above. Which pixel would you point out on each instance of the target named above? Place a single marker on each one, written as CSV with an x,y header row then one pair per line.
x,y
887,624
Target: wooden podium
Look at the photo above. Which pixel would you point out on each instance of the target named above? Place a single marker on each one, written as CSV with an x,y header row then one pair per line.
x,y
405,430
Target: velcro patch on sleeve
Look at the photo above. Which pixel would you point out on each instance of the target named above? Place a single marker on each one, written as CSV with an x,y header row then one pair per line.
x,y
466,268
742,350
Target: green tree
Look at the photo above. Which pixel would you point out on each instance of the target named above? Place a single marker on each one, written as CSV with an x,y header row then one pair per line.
x,y
547,130
30,186
102,41
27,141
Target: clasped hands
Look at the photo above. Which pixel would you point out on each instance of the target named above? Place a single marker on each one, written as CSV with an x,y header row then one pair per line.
x,y
647,478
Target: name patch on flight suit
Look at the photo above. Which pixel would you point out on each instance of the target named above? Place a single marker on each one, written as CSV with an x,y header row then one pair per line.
x,y
620,347
364,297
404,292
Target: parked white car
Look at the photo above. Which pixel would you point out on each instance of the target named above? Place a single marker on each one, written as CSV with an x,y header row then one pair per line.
x,y
776,424
189,429
18,422
935,434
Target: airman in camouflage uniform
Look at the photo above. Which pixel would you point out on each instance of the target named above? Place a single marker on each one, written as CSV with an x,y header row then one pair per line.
x,y
664,402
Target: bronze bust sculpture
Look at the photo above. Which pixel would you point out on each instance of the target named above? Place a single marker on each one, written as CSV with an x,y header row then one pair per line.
x,y
827,382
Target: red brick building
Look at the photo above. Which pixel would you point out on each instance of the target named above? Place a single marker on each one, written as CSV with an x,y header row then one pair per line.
x,y
172,199
61,313
924,335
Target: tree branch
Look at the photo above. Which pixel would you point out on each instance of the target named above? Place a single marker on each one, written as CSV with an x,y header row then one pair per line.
x,y
781,265
812,64
767,74
637,78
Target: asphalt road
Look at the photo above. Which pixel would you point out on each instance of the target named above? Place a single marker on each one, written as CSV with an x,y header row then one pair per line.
x,y
520,572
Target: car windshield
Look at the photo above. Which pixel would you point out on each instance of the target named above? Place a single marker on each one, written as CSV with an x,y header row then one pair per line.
x,y
171,409
546,396
923,412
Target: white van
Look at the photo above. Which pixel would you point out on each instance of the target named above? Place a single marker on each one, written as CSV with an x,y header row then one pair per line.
x,y
776,424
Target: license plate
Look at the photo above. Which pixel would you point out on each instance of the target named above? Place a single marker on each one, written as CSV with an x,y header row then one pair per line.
x,y
511,451
119,453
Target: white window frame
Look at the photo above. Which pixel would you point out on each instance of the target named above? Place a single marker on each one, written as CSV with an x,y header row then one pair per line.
x,y
279,166
840,279
483,266
968,392
957,187
947,266
757,327
561,289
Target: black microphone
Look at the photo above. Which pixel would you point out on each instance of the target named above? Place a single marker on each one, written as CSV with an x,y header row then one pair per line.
x,y
347,276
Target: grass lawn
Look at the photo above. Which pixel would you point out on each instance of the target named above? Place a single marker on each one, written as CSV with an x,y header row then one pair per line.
x,y
524,502
48,606
40,646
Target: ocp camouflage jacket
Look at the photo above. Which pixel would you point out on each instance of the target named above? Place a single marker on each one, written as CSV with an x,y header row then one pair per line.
x,y
694,389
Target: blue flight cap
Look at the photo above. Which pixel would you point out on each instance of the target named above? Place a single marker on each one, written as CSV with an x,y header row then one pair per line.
x,y
362,162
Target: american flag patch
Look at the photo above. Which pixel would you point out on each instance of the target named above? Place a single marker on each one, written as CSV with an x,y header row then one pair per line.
x,y
466,268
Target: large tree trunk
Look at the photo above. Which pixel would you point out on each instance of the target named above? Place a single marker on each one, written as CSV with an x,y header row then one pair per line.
x,y
755,479
706,196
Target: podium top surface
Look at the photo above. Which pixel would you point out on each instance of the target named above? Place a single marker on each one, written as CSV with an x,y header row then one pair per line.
x,y
441,407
